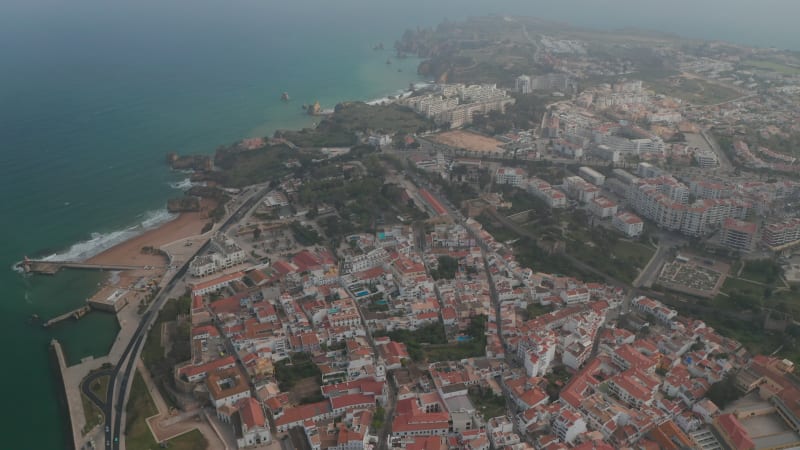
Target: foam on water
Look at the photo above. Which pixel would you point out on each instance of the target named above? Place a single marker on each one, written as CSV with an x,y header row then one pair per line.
x,y
401,93
99,242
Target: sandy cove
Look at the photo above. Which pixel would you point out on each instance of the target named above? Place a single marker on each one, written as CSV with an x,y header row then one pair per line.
x,y
130,253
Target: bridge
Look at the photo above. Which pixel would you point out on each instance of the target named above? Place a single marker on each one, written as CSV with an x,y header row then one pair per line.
x,y
52,267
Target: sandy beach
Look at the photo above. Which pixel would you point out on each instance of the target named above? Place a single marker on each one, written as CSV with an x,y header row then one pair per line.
x,y
130,251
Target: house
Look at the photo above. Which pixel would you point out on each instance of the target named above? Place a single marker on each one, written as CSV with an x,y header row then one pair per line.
x,y
568,425
227,386
207,287
412,420
197,373
733,432
251,426
628,223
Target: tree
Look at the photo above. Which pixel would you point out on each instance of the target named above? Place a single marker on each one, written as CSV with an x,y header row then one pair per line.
x,y
256,233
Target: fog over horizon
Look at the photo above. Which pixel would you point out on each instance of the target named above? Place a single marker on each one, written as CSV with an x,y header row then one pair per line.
x,y
767,23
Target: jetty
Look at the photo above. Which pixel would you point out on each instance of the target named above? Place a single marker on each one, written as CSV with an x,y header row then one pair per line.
x,y
52,267
74,314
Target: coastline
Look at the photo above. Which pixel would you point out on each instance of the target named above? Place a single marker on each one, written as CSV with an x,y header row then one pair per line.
x,y
128,249
129,252
124,245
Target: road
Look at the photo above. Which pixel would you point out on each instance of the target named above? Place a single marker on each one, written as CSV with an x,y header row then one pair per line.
x,y
120,376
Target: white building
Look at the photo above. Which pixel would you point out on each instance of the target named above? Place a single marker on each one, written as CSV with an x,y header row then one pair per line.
x,y
656,309
602,207
706,159
252,428
592,176
537,353
544,191
575,296
580,189
514,176
630,224
225,254
568,425
523,84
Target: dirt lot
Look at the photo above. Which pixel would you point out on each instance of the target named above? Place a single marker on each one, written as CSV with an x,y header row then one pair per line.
x,y
305,388
468,141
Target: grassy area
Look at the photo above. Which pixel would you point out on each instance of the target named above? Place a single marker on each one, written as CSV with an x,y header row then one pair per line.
x,y
523,201
771,66
535,310
640,254
289,371
474,347
765,271
393,118
429,343
529,254
241,169
92,414
618,258
736,285
740,293
496,229
338,129
694,91
138,435
140,407
100,386
489,404
157,362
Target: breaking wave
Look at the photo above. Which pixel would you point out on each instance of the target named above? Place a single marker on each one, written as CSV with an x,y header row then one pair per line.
x,y
99,242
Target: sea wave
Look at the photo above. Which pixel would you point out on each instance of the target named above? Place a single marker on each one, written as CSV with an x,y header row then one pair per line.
x,y
186,184
99,242
401,93
183,185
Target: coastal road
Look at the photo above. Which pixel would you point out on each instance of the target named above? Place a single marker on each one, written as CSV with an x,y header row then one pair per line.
x,y
120,376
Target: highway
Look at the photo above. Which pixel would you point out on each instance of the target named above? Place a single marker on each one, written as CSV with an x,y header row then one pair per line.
x,y
114,405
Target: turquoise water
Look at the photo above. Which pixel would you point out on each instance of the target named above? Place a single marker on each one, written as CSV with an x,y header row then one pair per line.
x,y
94,94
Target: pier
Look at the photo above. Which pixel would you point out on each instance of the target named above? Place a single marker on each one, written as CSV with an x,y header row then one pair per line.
x,y
52,267
75,314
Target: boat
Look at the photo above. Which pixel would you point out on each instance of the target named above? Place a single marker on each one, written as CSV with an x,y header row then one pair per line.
x,y
285,97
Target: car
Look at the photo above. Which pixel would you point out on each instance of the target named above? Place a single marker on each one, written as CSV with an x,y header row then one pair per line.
x,y
108,429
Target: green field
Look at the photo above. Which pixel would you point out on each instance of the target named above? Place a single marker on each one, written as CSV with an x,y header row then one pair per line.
x,y
695,91
611,255
762,271
92,414
771,66
138,435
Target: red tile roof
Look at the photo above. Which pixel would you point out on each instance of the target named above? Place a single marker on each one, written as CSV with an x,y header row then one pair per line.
x,y
303,412
351,400
251,413
191,371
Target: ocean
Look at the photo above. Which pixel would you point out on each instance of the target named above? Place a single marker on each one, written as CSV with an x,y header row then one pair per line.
x,y
94,94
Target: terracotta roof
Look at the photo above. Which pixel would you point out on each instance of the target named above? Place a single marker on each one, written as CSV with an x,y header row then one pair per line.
x,y
191,371
303,413
734,432
251,413
216,281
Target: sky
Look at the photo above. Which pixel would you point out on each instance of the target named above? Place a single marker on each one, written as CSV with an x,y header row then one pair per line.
x,y
763,22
